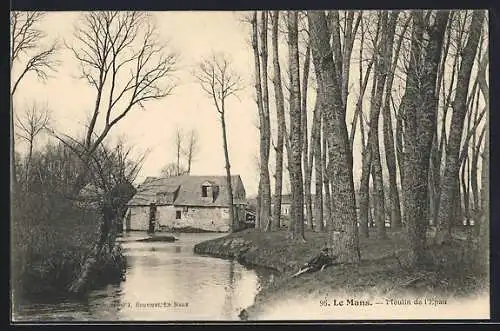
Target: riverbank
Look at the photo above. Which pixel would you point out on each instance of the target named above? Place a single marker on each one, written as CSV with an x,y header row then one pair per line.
x,y
451,271
49,248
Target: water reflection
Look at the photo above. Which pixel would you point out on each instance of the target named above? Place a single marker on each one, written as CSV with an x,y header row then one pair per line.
x,y
164,281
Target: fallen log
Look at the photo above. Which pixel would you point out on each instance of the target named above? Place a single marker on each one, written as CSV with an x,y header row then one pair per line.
x,y
319,262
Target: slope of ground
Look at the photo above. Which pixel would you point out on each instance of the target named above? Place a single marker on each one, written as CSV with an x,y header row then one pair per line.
x,y
451,271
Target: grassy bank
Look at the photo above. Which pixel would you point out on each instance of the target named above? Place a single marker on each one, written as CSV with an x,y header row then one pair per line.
x,y
49,248
451,271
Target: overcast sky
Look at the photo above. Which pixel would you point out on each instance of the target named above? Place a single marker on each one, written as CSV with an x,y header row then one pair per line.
x,y
192,35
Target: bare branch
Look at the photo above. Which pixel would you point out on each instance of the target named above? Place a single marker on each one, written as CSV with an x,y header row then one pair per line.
x,y
218,80
26,46
34,120
121,56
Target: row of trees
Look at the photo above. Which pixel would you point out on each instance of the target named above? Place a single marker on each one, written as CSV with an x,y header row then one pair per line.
x,y
422,73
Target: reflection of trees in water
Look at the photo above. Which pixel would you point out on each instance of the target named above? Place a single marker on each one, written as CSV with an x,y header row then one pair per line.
x,y
214,288
229,288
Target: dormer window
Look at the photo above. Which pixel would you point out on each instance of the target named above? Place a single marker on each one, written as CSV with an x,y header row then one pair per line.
x,y
209,190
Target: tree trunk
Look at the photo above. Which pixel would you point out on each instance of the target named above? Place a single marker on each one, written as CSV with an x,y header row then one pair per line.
x,y
419,120
443,141
305,149
452,165
318,168
476,145
292,218
280,115
349,34
13,177
327,201
380,74
322,205
28,163
364,194
232,214
484,224
473,172
296,138
368,196
438,143
475,162
178,143
463,193
259,205
265,128
390,155
434,178
105,239
260,105
344,239
315,161
399,146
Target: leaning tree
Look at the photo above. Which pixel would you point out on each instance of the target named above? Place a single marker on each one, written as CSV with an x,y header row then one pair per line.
x,y
122,58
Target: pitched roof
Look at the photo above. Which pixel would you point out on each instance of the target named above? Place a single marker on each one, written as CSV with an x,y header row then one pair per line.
x,y
184,191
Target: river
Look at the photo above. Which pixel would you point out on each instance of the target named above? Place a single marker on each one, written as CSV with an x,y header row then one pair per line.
x,y
164,282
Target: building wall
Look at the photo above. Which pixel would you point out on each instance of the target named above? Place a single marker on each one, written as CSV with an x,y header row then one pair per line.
x,y
205,218
139,218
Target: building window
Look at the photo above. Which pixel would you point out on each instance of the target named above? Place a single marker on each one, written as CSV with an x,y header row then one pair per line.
x,y
204,191
177,214
286,211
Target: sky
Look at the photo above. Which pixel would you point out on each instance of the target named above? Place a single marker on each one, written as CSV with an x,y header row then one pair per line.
x,y
193,35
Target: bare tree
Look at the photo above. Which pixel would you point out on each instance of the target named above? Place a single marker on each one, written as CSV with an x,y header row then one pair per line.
x,y
382,65
178,138
296,137
454,41
389,148
418,105
219,82
171,170
122,58
259,46
34,120
280,114
28,52
192,149
186,147
371,145
344,239
477,141
484,224
363,198
127,167
449,188
109,189
306,148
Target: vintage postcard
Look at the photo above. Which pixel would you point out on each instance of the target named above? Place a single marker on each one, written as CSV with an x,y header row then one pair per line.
x,y
249,166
